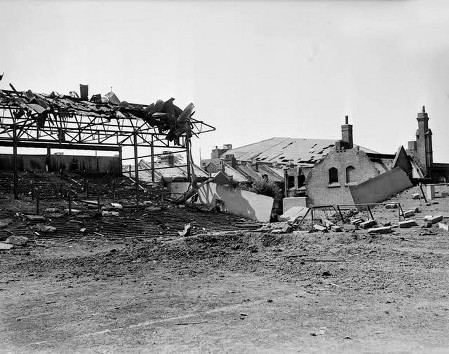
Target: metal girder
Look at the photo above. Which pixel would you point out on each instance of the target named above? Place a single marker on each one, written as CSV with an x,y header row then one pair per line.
x,y
74,126
53,121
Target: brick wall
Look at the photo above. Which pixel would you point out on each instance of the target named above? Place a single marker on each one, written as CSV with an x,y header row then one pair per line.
x,y
318,189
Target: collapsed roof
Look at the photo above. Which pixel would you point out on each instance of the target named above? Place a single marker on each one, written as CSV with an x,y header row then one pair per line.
x,y
283,150
68,118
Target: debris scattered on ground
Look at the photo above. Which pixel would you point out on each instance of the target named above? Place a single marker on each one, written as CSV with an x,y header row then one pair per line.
x,y
357,221
293,214
407,223
72,211
226,262
17,240
43,228
409,213
153,209
443,226
35,217
433,219
117,205
328,223
318,227
380,230
280,228
368,224
391,206
4,223
55,215
51,210
5,246
186,231
110,213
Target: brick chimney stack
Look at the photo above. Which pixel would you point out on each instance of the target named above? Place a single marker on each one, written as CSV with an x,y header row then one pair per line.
x,y
346,134
230,160
424,141
218,152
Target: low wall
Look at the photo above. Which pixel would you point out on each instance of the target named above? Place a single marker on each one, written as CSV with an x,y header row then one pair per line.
x,y
381,187
238,202
75,163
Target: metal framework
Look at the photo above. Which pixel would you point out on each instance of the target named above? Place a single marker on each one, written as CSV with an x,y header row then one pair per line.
x,y
54,121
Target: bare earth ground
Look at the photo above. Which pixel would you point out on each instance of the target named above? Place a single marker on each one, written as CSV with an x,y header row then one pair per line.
x,y
242,291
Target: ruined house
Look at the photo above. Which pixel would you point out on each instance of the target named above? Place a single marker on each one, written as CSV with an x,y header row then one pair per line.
x,y
347,165
287,161
337,172
243,173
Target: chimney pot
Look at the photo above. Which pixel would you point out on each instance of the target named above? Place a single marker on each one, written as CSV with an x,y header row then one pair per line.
x,y
346,120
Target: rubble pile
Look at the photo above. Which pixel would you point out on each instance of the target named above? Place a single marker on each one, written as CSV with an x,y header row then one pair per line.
x,y
109,214
71,213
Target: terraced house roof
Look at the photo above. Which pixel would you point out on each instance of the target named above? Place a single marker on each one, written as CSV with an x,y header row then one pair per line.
x,y
283,150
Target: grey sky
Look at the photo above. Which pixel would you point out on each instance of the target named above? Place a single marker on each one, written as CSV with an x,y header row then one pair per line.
x,y
254,69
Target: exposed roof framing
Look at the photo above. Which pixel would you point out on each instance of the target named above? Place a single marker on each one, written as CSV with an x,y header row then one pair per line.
x,y
65,120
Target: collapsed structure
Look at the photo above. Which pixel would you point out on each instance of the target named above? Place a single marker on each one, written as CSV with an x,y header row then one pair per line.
x,y
324,171
54,121
313,172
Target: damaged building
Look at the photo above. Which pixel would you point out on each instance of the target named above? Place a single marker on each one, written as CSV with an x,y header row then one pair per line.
x,y
53,122
421,151
324,171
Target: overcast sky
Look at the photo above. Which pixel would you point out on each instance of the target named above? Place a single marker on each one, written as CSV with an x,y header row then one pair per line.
x,y
253,69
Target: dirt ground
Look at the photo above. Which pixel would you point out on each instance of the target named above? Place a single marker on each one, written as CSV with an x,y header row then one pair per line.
x,y
235,291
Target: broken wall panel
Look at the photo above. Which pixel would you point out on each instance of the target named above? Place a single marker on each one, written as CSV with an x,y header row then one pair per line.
x,y
381,187
238,202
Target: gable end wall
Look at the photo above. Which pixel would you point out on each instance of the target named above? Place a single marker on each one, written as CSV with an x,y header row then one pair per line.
x,y
317,184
